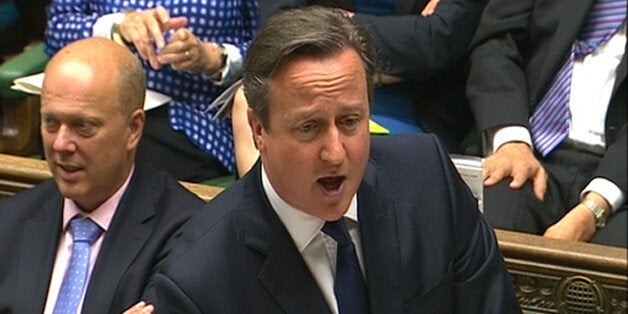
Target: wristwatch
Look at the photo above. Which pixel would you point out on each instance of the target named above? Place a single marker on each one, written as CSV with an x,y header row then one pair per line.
x,y
598,212
217,76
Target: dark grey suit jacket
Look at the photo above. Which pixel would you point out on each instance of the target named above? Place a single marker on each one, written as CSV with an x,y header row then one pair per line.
x,y
144,227
518,49
426,247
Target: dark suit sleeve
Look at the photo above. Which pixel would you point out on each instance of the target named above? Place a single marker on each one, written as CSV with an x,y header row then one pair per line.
x,y
411,46
613,164
481,280
415,47
496,86
171,297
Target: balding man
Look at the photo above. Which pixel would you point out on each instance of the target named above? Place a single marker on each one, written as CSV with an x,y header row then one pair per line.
x,y
90,239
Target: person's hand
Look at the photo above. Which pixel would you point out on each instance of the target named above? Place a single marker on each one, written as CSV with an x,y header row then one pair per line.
x,y
186,52
579,223
145,30
516,161
430,8
140,308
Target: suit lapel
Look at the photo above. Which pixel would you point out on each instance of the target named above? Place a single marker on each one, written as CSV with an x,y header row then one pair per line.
x,y
123,242
288,280
620,74
559,49
378,229
284,273
37,256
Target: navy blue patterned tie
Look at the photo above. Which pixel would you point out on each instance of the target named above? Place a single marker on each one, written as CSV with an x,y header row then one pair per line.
x,y
550,122
84,232
349,286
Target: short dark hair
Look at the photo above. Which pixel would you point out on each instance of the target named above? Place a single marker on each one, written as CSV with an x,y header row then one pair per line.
x,y
309,31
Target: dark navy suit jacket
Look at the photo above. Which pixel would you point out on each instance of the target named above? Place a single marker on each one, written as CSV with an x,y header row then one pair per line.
x,y
426,247
144,227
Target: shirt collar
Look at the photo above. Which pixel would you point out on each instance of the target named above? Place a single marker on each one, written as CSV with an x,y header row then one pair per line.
x,y
301,226
103,214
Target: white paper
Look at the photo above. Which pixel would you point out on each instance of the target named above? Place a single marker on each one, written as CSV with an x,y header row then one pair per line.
x,y
470,169
29,84
224,102
32,84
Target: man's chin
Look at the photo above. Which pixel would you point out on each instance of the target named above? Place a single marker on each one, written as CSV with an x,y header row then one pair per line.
x,y
71,191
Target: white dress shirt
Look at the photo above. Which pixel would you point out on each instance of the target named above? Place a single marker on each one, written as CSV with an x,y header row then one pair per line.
x,y
317,248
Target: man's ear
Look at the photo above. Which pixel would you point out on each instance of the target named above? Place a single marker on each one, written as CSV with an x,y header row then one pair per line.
x,y
136,128
256,128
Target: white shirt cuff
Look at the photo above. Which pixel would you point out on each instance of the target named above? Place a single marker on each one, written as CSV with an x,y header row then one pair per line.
x,y
501,136
608,190
103,25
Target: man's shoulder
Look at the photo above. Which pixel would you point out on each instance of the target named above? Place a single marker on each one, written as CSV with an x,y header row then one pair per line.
x,y
35,203
162,185
156,195
405,148
418,160
37,195
221,220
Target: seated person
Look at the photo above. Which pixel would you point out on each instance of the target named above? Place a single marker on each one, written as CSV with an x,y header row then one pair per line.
x,y
91,123
190,51
551,107
331,220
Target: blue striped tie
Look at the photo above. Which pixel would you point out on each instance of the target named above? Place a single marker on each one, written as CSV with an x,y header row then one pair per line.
x,y
550,121
84,232
349,286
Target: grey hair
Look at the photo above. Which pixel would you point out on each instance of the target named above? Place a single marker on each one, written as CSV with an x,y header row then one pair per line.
x,y
132,85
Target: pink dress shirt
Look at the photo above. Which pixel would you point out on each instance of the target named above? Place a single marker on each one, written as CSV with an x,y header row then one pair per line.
x,y
101,216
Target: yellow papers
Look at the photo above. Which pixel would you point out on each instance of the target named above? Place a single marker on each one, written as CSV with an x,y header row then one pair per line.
x,y
377,129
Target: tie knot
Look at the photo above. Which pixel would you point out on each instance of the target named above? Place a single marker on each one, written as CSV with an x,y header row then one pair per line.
x,y
337,230
84,230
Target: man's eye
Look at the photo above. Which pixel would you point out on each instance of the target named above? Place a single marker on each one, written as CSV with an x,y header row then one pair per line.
x,y
85,128
307,128
350,123
50,125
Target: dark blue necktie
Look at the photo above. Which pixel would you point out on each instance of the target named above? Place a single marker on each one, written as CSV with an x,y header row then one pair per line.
x,y
84,232
349,286
550,122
